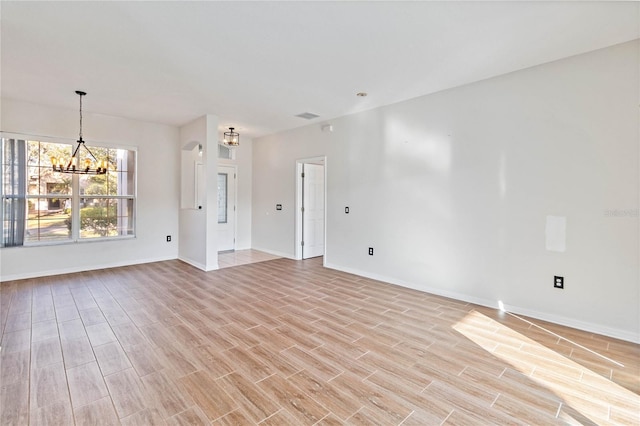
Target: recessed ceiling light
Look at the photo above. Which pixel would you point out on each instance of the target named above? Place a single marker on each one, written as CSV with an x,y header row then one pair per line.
x,y
308,115
361,94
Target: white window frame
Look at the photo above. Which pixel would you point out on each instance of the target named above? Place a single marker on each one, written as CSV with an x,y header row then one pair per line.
x,y
75,192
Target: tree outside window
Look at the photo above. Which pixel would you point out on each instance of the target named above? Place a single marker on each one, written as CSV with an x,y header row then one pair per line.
x,y
66,207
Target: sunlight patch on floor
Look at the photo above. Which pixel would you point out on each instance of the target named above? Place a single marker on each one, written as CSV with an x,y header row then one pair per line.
x,y
585,394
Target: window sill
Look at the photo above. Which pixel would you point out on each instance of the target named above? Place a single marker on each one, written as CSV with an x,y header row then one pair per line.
x,y
82,241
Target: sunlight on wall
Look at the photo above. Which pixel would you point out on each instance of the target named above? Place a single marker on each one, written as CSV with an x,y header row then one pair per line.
x,y
417,169
415,146
582,390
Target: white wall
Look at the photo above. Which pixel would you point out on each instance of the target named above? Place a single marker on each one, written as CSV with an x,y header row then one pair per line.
x,y
211,192
452,190
157,190
192,242
198,227
274,182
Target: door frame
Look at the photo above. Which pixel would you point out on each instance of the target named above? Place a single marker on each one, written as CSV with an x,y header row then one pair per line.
x,y
298,212
235,201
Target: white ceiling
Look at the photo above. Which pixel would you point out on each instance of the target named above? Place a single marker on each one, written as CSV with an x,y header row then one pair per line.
x,y
258,64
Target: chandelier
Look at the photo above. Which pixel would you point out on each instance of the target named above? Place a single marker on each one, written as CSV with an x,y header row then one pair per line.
x,y
231,138
89,167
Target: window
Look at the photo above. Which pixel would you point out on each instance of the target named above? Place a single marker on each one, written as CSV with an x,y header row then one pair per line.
x,y
225,152
222,198
48,194
40,205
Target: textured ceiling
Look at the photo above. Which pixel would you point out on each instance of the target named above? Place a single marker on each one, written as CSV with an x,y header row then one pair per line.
x,y
258,64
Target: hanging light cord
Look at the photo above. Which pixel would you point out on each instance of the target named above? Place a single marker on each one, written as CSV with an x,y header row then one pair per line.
x,y
81,142
81,117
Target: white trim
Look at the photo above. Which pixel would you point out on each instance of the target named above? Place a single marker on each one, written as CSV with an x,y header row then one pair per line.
x,y
199,265
212,268
616,333
75,197
275,253
297,249
78,241
402,283
192,263
66,141
573,323
235,199
298,216
75,269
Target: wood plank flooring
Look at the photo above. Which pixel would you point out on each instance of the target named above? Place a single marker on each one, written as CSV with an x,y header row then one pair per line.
x,y
228,259
291,343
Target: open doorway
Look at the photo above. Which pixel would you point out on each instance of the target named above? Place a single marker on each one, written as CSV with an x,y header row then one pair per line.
x,y
310,207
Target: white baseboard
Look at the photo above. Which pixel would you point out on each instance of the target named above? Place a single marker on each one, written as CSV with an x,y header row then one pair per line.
x,y
402,283
198,264
544,316
275,253
214,267
616,333
75,269
192,262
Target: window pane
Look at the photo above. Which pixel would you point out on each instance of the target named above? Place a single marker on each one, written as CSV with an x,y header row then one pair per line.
x,y
41,179
124,160
106,217
98,184
222,198
225,152
115,182
48,150
126,182
48,219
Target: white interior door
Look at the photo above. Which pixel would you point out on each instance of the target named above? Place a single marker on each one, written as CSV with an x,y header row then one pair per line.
x,y
226,208
312,210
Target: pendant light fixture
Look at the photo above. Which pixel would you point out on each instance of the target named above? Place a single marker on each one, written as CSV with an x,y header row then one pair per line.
x,y
72,165
231,138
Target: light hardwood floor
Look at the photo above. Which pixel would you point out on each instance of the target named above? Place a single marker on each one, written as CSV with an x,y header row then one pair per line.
x,y
242,257
291,343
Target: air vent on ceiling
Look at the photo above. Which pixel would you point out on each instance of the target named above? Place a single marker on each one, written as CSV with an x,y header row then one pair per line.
x,y
308,115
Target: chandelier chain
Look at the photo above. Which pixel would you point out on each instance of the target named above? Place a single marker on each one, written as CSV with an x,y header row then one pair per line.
x,y
80,117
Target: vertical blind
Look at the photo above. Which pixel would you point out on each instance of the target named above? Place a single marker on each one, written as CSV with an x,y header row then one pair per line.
x,y
13,191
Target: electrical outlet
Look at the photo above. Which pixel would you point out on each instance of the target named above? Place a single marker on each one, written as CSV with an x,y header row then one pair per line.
x,y
370,251
558,282
168,238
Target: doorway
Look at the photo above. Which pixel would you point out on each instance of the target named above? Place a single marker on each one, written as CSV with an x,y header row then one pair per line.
x,y
226,208
310,208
